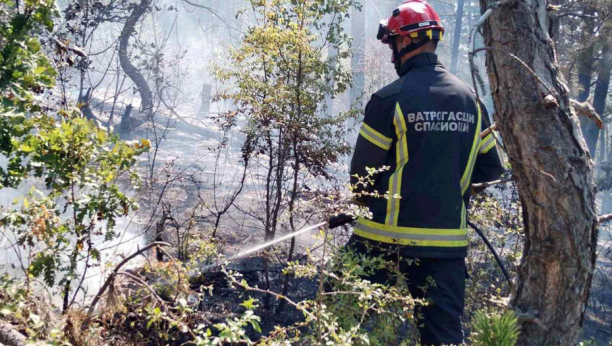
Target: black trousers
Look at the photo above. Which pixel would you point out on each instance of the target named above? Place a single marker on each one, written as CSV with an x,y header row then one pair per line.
x,y
441,319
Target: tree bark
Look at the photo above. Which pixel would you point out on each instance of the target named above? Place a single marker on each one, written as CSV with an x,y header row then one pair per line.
x,y
141,83
553,171
457,36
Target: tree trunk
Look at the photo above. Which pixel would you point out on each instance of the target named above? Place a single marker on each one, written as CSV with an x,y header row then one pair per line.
x,y
141,83
600,96
358,49
585,76
554,175
457,36
603,81
332,52
206,95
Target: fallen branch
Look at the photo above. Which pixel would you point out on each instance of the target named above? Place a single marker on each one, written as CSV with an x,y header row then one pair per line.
x,y
586,109
9,336
111,278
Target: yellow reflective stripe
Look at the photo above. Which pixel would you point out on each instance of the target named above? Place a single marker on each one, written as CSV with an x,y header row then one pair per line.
x,y
410,235
401,154
467,174
463,214
429,34
375,137
487,143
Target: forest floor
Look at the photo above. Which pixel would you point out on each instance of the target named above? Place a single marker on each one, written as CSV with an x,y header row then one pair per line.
x,y
598,321
189,145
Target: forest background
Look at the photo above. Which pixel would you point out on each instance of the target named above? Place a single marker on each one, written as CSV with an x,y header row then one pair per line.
x,y
145,141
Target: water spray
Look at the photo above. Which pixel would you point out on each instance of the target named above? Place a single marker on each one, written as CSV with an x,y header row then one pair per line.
x,y
340,220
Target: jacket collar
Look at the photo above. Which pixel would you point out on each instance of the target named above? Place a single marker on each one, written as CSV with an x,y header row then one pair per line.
x,y
417,61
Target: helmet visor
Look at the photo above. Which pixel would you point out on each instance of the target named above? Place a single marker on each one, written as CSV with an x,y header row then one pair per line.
x,y
384,35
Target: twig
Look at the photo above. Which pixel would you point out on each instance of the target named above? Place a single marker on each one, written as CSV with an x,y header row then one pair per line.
x,y
111,278
76,50
486,132
482,186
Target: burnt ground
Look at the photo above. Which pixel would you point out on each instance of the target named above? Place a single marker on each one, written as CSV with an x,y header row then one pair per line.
x,y
225,301
598,320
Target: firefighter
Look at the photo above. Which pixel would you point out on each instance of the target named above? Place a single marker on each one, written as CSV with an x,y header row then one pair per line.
x,y
425,127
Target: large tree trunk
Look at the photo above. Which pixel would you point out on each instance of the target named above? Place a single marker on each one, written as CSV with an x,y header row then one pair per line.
x,y
553,171
457,36
141,83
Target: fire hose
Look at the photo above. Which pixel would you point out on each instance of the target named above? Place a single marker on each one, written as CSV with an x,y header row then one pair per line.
x,y
344,219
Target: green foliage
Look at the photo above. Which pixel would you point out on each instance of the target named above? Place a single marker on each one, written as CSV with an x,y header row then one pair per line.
x,y
24,71
19,306
494,329
24,68
82,167
283,76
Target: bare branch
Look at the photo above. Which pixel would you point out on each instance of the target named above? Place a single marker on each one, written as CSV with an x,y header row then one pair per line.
x,y
481,186
76,50
486,132
604,218
111,278
586,109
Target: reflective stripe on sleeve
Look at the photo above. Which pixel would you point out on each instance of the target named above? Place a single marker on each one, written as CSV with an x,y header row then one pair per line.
x,y
487,144
395,182
411,236
467,174
375,137
463,215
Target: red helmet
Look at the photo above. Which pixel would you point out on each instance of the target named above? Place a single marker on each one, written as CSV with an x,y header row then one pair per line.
x,y
415,18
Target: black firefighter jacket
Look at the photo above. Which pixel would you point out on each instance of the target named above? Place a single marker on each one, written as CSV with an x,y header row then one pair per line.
x,y
426,127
